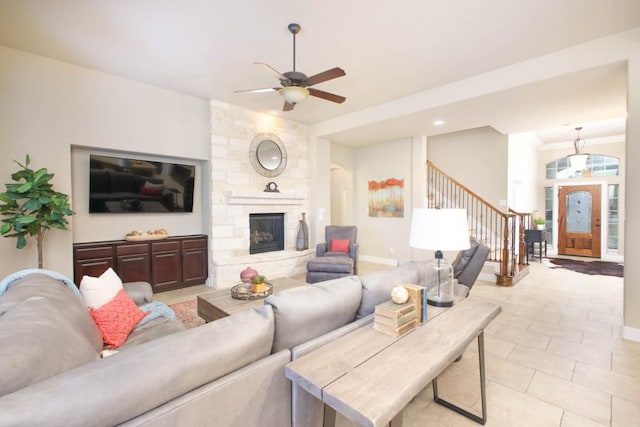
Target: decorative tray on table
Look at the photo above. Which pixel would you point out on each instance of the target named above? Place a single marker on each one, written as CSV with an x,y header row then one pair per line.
x,y
240,292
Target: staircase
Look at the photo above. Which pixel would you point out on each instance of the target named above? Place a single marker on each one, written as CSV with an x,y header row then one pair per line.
x,y
502,232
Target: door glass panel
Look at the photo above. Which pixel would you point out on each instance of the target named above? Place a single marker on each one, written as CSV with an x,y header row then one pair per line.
x,y
579,212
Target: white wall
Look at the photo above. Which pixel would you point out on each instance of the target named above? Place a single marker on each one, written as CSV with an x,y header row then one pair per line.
x,y
47,107
523,173
477,158
383,238
342,185
631,328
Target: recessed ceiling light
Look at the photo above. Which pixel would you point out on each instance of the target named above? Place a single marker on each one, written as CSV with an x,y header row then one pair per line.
x,y
438,122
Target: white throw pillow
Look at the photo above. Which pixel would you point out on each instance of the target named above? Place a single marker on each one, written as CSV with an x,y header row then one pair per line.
x,y
98,291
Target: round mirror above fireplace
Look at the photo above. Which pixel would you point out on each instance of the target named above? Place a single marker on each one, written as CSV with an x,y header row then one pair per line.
x,y
268,155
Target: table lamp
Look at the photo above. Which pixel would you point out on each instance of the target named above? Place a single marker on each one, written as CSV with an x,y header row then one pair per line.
x,y
439,230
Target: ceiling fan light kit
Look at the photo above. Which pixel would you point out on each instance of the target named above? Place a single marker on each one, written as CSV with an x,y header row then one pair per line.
x,y
295,84
294,94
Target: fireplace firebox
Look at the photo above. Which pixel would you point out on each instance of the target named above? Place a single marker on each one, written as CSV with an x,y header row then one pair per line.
x,y
266,232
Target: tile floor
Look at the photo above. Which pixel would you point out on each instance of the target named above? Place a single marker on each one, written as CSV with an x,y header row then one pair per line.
x,y
554,356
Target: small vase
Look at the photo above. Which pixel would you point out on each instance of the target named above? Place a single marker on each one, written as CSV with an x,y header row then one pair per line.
x,y
300,237
305,231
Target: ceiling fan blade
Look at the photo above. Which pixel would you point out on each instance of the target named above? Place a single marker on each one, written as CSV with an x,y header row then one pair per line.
x,y
287,106
326,95
275,72
326,75
266,89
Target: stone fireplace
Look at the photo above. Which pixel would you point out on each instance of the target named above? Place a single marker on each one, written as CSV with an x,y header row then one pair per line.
x,y
237,191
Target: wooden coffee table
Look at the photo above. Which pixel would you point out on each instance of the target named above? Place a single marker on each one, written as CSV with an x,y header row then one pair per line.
x,y
218,304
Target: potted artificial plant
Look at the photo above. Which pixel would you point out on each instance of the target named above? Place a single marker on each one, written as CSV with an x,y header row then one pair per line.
x,y
30,207
540,223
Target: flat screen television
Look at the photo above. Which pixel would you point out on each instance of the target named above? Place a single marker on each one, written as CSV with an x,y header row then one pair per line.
x,y
128,185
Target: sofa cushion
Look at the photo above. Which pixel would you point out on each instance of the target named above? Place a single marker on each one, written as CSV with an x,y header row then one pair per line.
x,y
113,390
307,312
98,291
140,292
376,287
45,329
117,318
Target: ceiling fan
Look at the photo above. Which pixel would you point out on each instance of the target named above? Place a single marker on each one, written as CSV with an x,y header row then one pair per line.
x,y
296,86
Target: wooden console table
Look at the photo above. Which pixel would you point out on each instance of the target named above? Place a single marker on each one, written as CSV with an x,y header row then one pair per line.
x,y
345,374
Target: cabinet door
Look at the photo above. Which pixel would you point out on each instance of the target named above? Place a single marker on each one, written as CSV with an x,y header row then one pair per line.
x,y
91,261
91,267
194,261
166,271
133,263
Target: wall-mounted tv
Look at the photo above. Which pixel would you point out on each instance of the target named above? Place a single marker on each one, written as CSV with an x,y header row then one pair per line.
x,y
128,185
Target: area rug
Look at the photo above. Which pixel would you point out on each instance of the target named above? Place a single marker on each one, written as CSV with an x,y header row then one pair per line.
x,y
187,312
603,268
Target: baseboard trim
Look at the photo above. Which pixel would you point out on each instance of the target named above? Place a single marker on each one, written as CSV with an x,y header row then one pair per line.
x,y
631,334
378,260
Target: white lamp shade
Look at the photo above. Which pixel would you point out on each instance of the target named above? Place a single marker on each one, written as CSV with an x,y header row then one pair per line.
x,y
578,162
439,229
294,94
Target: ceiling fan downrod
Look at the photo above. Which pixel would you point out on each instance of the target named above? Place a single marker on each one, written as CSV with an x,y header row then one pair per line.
x,y
294,29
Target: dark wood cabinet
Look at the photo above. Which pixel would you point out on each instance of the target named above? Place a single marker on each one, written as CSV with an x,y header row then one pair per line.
x,y
194,261
166,267
174,263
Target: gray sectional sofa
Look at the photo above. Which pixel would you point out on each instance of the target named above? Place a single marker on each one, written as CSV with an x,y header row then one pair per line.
x,y
226,373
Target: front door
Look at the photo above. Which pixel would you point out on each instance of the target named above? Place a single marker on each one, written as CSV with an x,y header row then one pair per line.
x,y
579,220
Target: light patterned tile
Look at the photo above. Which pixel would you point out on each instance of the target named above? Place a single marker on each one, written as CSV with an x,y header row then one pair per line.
x,y
594,328
620,385
614,344
543,361
510,374
613,319
585,401
492,345
569,419
624,413
508,408
522,336
627,365
535,313
581,352
552,329
508,319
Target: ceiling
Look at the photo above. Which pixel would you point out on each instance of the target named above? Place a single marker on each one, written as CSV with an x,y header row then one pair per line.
x,y
207,49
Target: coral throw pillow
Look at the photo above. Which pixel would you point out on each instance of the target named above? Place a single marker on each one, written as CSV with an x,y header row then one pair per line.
x,y
338,245
117,318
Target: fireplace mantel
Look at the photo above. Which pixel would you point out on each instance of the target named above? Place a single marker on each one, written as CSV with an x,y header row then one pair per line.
x,y
263,198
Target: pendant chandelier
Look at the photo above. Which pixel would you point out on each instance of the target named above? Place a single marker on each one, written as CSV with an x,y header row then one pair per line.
x,y
578,160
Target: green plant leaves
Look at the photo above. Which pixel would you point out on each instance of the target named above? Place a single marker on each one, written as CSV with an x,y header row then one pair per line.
x,y
30,205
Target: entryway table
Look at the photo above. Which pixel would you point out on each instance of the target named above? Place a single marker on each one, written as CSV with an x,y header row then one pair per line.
x,y
370,377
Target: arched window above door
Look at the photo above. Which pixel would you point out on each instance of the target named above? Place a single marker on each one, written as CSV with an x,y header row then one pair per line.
x,y
597,165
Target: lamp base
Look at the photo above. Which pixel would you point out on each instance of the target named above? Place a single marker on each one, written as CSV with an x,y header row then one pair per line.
x,y
436,303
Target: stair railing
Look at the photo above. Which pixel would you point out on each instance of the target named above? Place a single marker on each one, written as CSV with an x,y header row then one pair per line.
x,y
501,231
524,223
